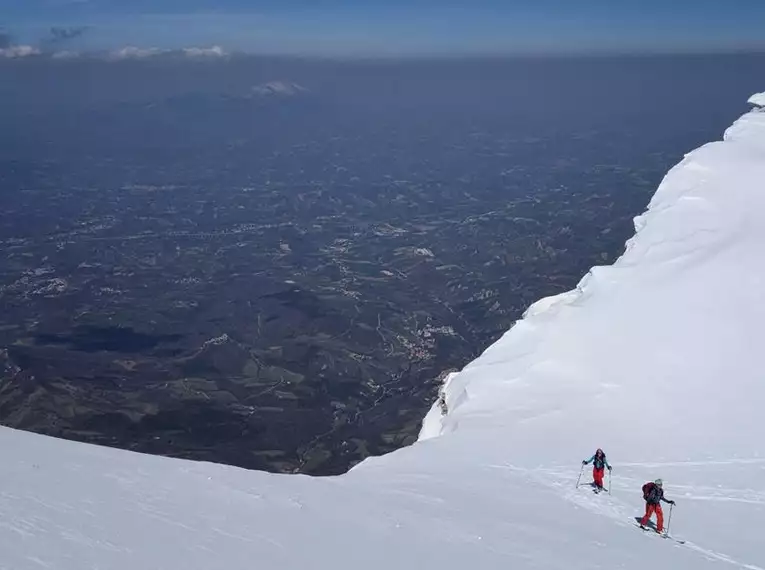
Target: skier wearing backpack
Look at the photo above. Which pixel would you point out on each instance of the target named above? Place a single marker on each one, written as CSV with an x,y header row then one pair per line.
x,y
599,463
653,493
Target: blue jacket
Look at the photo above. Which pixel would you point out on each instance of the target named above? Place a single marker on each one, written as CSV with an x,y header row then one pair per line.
x,y
600,462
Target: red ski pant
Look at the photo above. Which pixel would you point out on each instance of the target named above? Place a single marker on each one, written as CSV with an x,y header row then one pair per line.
x,y
651,509
597,476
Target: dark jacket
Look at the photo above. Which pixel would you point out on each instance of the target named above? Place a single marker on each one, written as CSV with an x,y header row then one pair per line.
x,y
653,494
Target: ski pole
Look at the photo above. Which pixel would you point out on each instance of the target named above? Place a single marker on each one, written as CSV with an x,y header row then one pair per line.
x,y
580,476
669,520
609,484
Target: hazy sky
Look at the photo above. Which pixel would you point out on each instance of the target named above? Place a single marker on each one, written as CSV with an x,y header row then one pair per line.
x,y
365,27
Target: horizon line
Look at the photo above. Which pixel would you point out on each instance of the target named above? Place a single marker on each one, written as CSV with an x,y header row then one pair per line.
x,y
217,53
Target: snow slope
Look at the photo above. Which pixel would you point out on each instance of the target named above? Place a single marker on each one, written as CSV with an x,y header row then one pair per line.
x,y
658,359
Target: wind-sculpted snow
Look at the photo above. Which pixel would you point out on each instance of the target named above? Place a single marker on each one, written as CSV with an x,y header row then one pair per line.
x,y
656,358
758,99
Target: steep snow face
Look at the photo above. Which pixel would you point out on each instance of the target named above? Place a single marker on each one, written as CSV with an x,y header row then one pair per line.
x,y
657,359
656,356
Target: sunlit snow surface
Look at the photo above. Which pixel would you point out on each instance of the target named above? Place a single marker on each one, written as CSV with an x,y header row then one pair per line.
x,y
659,359
758,99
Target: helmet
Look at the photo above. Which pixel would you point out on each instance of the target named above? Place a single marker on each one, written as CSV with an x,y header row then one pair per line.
x,y
658,482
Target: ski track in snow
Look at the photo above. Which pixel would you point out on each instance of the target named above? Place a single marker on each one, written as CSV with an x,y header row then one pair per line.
x,y
623,513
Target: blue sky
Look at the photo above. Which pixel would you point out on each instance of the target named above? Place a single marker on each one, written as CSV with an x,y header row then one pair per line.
x,y
389,27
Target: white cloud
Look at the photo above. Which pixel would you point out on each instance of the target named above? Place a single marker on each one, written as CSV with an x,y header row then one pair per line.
x,y
14,52
125,53
131,52
214,51
66,54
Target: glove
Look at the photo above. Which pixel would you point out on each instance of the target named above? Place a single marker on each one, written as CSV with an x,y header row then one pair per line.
x,y
610,468
584,462
672,502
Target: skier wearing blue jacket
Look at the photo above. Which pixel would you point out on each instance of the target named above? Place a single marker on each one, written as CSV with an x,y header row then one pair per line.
x,y
599,463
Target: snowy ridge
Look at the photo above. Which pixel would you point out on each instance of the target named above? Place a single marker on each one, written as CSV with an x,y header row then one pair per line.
x,y
656,359
707,207
705,217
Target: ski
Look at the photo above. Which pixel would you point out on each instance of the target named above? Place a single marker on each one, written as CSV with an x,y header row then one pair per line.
x,y
662,535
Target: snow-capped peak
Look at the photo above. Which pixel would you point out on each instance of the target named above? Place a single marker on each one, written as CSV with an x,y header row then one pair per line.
x,y
279,88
